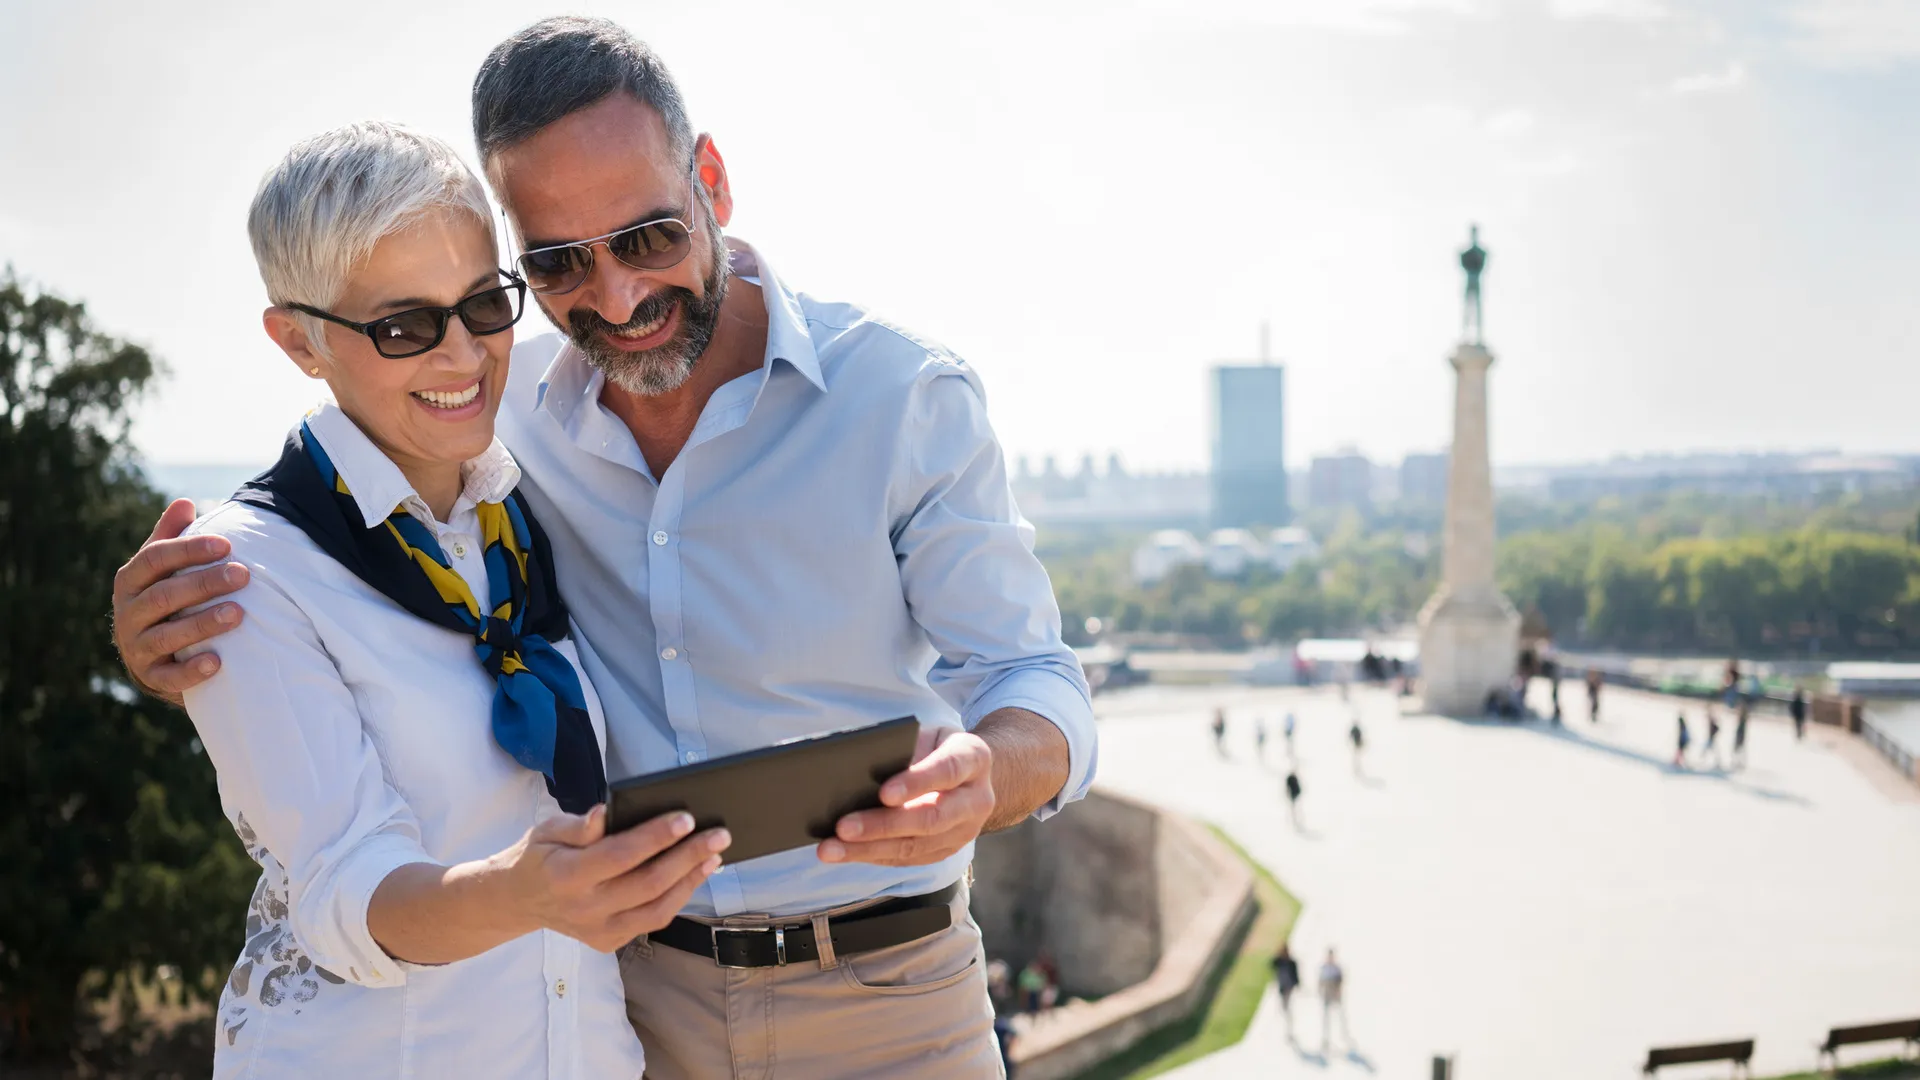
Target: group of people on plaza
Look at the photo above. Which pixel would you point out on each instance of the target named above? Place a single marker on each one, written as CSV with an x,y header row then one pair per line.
x,y
1332,986
1737,696
1291,784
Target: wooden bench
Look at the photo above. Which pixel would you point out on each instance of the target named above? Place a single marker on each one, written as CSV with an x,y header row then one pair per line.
x,y
1739,1052
1905,1030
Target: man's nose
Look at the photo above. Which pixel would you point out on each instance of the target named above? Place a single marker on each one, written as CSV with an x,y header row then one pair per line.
x,y
614,289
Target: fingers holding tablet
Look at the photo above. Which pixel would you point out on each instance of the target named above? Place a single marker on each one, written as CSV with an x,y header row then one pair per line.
x,y
934,808
606,889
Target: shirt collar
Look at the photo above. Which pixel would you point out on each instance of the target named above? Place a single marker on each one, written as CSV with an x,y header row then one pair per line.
x,y
570,380
379,487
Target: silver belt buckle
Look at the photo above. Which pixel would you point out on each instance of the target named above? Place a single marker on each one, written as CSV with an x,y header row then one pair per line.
x,y
779,943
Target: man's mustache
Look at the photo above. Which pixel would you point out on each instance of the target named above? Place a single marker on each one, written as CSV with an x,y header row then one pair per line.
x,y
585,322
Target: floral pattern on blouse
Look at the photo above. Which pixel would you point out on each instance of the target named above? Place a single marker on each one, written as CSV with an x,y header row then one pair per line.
x,y
272,972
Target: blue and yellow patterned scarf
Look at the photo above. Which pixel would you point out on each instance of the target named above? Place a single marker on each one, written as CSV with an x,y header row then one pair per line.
x,y
539,712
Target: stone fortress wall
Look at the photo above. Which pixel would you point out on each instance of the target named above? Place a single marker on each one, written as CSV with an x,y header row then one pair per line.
x,y
1137,907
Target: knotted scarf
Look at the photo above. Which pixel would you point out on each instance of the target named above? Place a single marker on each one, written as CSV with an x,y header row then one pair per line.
x,y
539,712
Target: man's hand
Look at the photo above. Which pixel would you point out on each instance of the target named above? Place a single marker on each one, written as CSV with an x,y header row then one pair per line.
x,y
147,599
935,808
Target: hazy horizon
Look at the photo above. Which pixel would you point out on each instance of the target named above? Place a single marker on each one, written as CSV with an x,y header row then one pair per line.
x,y
1699,212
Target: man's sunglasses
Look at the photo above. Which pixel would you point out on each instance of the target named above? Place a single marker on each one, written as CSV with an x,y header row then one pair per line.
x,y
660,244
419,330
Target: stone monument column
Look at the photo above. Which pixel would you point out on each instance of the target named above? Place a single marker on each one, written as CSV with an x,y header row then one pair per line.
x,y
1469,632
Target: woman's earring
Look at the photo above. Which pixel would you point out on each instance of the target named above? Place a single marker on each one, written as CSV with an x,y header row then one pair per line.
x,y
314,371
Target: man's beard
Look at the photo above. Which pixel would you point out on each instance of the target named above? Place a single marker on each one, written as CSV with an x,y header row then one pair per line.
x,y
663,367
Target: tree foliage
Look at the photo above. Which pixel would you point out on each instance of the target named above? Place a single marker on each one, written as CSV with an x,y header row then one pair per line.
x,y
117,859
1659,580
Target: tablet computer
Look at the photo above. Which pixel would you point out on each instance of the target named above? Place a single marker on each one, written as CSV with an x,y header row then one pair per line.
x,y
777,797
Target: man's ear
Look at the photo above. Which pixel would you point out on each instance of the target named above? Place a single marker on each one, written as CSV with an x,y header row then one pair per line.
x,y
287,333
713,177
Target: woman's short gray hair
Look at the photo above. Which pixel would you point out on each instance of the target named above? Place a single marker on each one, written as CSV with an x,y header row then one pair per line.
x,y
321,210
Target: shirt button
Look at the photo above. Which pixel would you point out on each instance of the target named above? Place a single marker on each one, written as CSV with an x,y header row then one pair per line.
x,y
669,653
459,550
560,988
692,756
660,539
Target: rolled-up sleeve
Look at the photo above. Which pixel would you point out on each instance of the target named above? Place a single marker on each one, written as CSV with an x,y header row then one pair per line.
x,y
296,766
972,581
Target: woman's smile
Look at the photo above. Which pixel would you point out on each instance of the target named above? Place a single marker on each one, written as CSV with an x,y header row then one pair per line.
x,y
454,401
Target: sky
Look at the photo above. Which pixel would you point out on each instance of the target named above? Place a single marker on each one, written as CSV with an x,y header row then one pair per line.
x,y
1701,214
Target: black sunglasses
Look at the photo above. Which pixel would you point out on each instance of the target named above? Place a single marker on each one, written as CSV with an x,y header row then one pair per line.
x,y
418,330
660,244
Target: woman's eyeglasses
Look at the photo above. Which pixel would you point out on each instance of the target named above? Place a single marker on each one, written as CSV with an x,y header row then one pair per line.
x,y
418,330
660,244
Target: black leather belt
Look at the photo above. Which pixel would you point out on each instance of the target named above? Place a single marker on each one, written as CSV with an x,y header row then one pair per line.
x,y
883,925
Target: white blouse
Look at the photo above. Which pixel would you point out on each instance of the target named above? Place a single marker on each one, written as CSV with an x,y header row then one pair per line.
x,y
352,738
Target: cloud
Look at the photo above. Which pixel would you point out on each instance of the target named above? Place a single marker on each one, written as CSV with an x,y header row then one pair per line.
x,y
1508,123
1354,16
1623,10
1710,82
1857,33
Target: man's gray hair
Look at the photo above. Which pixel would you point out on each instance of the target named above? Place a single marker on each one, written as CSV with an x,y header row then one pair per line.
x,y
321,210
558,66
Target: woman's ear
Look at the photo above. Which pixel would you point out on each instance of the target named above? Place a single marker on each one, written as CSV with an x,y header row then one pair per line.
x,y
292,338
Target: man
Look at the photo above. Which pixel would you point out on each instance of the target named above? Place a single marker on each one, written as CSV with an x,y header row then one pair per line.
x,y
771,516
1333,981
1293,797
1286,978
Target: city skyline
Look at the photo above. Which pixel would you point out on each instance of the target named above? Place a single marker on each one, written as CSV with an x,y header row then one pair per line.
x,y
1697,211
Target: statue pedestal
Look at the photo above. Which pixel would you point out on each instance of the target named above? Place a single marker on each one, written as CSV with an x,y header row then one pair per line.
x,y
1468,644
1469,633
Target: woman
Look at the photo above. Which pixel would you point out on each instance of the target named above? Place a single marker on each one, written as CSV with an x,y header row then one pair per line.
x,y
403,738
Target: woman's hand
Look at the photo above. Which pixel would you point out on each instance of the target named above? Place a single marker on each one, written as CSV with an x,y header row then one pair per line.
x,y
571,877
566,874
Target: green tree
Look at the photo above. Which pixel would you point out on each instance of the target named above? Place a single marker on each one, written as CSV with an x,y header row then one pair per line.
x,y
117,859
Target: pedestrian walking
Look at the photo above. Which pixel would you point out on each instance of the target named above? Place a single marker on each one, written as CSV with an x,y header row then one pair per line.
x,y
1593,695
1359,740
1286,977
1712,745
1551,669
1260,737
1333,980
1797,709
1740,734
1730,688
1220,732
1293,797
1032,984
1286,730
1680,747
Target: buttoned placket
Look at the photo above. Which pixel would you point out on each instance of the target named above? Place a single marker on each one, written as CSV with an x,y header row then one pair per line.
x,y
560,965
597,431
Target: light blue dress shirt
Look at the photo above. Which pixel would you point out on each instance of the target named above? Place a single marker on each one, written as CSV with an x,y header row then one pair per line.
x,y
836,545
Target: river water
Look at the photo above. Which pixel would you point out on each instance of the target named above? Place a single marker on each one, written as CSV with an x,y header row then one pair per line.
x,y
1900,719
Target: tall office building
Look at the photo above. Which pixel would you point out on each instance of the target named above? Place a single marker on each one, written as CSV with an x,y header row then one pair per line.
x,y
1249,459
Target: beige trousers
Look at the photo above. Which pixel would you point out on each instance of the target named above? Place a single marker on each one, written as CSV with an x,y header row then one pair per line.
x,y
917,1010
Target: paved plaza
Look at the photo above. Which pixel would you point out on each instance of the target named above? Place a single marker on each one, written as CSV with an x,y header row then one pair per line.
x,y
1547,903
